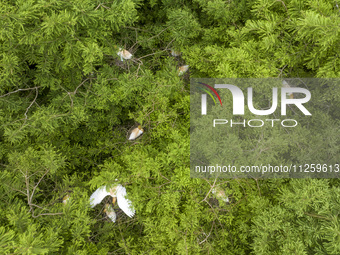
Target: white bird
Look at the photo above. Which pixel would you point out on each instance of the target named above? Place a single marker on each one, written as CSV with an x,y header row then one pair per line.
x,y
124,54
175,53
118,192
136,132
110,212
182,69
220,194
286,85
66,199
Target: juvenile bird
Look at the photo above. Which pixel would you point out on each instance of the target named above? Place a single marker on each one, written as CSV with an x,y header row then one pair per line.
x,y
110,212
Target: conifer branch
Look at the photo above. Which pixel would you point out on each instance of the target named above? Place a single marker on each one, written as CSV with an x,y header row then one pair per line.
x,y
148,39
42,214
317,216
20,191
283,4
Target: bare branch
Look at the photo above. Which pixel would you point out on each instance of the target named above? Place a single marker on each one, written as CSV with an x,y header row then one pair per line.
x,y
212,186
151,54
19,90
212,225
37,185
170,43
102,5
257,183
36,95
283,4
41,214
16,189
27,186
215,214
150,37
317,216
75,91
39,207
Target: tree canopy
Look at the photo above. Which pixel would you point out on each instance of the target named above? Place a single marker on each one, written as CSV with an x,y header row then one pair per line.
x,y
68,104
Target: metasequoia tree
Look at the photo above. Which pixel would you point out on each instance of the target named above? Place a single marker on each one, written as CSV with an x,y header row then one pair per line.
x,y
68,104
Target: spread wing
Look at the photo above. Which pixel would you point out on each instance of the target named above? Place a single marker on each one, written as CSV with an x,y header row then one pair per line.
x,y
98,196
285,84
124,203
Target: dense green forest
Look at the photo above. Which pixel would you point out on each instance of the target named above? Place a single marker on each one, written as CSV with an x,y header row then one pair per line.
x,y
69,101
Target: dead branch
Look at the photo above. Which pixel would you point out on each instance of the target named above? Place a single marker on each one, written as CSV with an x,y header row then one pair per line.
x,y
19,90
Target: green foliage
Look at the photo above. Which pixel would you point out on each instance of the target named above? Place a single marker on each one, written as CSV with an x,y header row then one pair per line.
x,y
67,104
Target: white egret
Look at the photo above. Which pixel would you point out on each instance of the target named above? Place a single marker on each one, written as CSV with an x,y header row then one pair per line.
x,y
220,194
124,54
117,192
182,69
175,53
286,85
110,212
136,132
66,199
